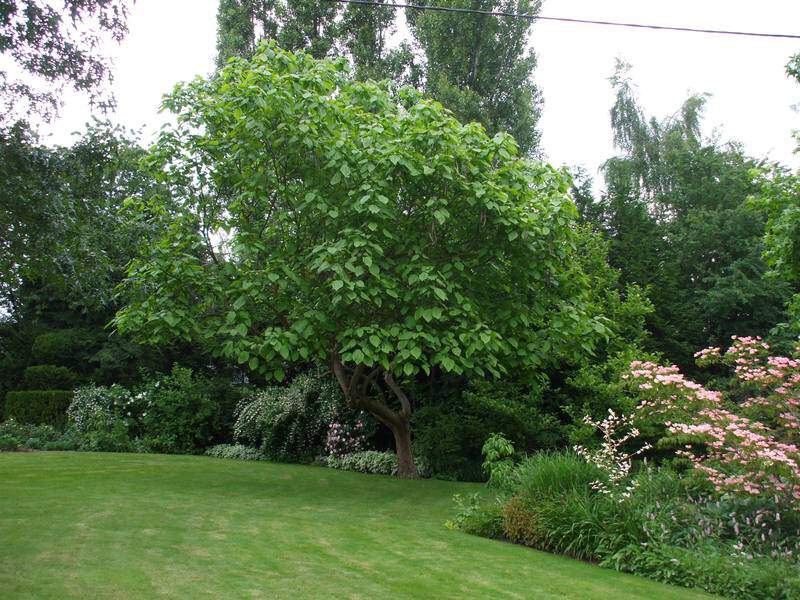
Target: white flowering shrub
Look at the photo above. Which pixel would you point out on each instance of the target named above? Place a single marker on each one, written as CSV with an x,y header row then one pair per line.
x,y
98,407
290,423
614,462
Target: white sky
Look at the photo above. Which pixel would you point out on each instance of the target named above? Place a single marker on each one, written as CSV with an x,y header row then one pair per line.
x,y
174,40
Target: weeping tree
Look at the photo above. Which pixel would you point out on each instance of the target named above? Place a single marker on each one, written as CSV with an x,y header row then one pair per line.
x,y
310,217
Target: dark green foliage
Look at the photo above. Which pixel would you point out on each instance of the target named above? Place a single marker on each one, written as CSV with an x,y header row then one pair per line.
x,y
64,248
8,443
294,24
49,377
48,407
64,346
676,213
366,31
450,431
58,45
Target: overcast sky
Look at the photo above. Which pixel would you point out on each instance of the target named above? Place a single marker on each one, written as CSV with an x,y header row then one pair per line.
x,y
174,40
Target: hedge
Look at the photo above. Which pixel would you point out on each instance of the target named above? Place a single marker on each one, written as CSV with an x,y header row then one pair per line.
x,y
46,407
49,377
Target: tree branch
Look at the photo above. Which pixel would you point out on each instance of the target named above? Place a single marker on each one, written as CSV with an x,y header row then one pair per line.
x,y
405,411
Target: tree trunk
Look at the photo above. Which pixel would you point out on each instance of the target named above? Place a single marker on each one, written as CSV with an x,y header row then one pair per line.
x,y
356,386
406,469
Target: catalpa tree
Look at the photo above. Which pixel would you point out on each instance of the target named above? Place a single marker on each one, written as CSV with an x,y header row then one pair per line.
x,y
307,217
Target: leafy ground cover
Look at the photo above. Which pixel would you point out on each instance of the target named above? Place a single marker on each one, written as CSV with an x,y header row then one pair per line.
x,y
132,525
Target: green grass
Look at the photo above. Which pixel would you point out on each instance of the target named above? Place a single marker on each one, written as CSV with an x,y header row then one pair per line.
x,y
140,526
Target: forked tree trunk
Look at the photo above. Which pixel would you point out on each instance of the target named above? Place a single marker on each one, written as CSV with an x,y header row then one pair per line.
x,y
363,391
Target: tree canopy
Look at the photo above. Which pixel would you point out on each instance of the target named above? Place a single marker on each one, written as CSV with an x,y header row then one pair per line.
x,y
481,67
313,217
57,47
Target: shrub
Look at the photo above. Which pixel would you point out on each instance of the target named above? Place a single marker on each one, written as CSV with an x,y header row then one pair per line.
x,y
8,443
236,452
477,517
553,474
41,407
346,438
97,407
665,528
570,524
709,569
115,438
290,423
370,461
49,377
63,346
178,414
741,440
15,435
498,461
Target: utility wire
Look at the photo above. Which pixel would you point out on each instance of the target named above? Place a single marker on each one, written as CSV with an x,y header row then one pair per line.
x,y
475,11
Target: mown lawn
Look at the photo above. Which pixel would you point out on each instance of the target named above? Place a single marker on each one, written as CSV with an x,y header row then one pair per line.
x,y
140,526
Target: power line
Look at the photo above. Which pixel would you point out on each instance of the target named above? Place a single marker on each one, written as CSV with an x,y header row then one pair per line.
x,y
475,11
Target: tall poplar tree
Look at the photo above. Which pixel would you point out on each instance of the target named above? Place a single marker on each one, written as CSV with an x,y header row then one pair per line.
x,y
481,66
308,25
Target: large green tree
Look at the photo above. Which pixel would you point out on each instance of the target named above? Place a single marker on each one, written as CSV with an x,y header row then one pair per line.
x,y
310,217
62,233
676,211
481,66
57,46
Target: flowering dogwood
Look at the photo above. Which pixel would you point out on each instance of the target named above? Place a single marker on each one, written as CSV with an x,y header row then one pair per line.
x,y
742,446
